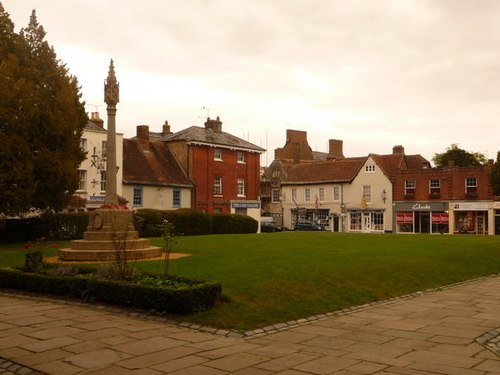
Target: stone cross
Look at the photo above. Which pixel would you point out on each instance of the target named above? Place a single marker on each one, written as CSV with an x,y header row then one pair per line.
x,y
111,98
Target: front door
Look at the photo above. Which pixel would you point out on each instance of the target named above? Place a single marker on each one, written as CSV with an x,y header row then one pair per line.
x,y
367,222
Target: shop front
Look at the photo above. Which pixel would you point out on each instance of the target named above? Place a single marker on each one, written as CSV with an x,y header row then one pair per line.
x,y
470,217
421,217
366,221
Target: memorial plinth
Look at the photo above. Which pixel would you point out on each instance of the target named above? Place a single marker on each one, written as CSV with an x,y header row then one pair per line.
x,y
110,235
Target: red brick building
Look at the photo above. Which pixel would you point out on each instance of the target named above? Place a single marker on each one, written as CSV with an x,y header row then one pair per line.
x,y
224,169
444,200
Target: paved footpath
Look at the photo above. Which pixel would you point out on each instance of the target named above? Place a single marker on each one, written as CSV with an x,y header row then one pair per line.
x,y
454,331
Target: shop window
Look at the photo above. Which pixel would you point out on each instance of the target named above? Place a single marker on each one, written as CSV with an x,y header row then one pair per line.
x,y
409,188
378,221
434,187
404,222
355,222
471,187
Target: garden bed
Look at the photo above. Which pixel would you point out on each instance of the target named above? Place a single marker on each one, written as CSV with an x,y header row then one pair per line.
x,y
174,295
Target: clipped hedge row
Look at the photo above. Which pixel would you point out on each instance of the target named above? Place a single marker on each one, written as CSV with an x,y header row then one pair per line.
x,y
194,296
187,222
57,227
225,224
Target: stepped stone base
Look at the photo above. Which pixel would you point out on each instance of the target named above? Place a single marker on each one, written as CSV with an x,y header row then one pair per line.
x,y
110,234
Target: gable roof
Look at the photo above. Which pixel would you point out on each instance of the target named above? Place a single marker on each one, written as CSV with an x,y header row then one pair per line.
x,y
149,162
199,135
343,170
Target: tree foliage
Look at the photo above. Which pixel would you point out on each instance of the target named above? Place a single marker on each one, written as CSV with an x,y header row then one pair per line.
x,y
459,157
41,121
495,176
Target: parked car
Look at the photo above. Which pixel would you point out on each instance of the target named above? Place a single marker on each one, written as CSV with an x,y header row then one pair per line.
x,y
305,225
267,226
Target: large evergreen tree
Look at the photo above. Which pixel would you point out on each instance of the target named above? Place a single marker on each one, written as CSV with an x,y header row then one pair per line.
x,y
41,121
495,176
459,157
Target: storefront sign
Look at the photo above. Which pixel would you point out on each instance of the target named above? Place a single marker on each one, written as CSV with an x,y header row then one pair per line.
x,y
440,218
404,217
95,201
470,206
245,205
421,206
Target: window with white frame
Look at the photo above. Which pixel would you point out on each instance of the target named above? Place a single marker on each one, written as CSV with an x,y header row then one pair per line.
x,y
410,187
217,185
217,154
367,193
82,179
103,180
240,187
370,168
294,196
434,186
355,221
104,148
336,193
275,195
138,196
83,144
241,157
377,219
471,186
307,195
176,197
321,194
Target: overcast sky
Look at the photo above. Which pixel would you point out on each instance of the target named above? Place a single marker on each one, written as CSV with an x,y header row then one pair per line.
x,y
374,73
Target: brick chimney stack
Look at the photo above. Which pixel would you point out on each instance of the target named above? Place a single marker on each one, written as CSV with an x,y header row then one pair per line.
x,y
166,129
398,150
215,125
142,132
94,117
335,149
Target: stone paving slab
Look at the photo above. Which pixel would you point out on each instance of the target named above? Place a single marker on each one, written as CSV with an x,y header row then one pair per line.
x,y
451,331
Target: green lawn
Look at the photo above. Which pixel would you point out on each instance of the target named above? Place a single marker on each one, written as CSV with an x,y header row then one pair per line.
x,y
276,277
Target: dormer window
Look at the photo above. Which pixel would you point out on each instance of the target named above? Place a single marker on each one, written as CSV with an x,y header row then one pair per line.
x,y
217,154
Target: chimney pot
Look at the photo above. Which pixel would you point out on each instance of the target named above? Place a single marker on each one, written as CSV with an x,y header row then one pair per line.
x,y
166,129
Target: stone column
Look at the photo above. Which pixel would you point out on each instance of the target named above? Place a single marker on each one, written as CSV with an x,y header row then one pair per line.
x,y
111,98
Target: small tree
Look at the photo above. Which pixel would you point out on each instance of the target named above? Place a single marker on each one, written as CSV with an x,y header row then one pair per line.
x,y
169,240
460,157
495,176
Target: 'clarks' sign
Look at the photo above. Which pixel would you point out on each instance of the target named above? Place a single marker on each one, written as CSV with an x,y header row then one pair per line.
x,y
420,206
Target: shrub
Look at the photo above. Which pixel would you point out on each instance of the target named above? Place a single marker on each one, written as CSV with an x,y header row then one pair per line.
x,y
225,224
192,296
52,226
187,222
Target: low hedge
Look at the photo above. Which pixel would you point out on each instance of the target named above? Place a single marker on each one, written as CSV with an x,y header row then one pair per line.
x,y
192,297
226,224
56,227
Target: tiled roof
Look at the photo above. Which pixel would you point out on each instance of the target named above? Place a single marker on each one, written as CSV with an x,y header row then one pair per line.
x,y
91,125
324,171
151,163
196,134
393,162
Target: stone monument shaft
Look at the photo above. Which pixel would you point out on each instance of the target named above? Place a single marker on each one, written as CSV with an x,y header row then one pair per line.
x,y
111,98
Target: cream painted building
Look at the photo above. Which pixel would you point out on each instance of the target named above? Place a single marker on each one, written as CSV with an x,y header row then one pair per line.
x,y
92,171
